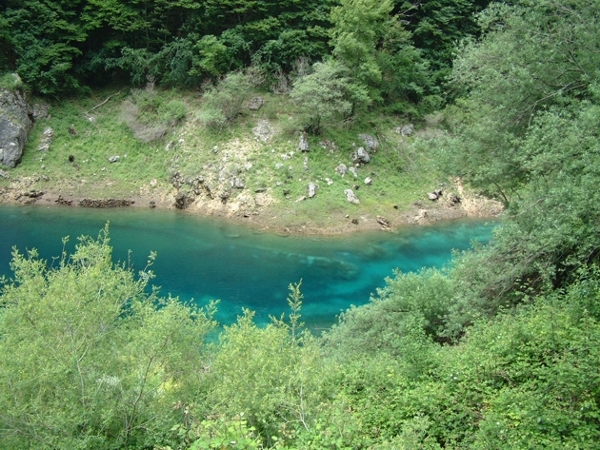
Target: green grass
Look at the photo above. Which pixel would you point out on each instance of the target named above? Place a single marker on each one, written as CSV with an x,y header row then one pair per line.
x,y
401,171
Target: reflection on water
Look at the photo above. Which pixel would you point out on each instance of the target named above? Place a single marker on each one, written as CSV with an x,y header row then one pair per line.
x,y
204,259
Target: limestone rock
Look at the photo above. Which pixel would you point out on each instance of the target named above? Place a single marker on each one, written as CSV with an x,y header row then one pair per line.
x,y
421,217
342,169
237,183
46,140
361,156
113,159
405,130
303,142
255,103
434,195
368,181
312,189
328,145
351,197
41,111
353,171
15,125
383,222
370,142
263,130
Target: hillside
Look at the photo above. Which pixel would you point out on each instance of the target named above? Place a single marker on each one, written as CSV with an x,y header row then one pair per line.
x,y
250,169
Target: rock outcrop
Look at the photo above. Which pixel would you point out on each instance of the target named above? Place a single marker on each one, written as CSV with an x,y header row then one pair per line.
x,y
15,125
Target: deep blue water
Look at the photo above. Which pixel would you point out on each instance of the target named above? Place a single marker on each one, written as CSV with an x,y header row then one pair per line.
x,y
204,259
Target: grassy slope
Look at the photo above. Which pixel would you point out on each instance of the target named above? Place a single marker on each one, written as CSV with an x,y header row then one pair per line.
x,y
402,170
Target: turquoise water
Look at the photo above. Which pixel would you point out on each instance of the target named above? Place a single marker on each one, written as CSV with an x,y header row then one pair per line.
x,y
201,259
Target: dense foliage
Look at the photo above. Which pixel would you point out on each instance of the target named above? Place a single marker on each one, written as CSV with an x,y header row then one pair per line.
x,y
66,46
498,350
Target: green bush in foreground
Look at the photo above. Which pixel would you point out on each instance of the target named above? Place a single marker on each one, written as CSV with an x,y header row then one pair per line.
x,y
89,359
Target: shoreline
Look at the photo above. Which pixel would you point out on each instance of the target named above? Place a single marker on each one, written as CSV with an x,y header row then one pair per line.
x,y
280,221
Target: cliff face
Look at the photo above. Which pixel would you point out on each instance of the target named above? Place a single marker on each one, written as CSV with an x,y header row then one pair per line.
x,y
15,125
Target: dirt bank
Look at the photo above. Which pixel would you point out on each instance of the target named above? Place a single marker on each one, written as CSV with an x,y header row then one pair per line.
x,y
270,217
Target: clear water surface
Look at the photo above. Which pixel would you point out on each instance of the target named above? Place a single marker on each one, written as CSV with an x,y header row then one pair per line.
x,y
201,259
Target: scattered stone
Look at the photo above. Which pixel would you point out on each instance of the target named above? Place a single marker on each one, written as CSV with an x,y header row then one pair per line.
x,y
306,163
301,198
153,182
248,166
4,174
368,181
175,179
45,178
434,195
303,143
32,193
351,197
405,130
72,130
353,171
355,221
224,196
329,181
46,140
312,189
361,156
237,183
342,169
383,222
113,159
370,142
421,217
255,103
453,198
181,200
15,125
328,145
40,111
263,131
62,201
356,187
279,166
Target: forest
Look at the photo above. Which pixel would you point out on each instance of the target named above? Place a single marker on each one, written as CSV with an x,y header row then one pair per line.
x,y
495,351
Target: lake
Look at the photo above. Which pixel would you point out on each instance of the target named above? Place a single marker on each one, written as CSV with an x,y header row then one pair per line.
x,y
201,258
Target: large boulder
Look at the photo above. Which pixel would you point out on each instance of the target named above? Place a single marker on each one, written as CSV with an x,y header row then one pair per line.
x,y
15,125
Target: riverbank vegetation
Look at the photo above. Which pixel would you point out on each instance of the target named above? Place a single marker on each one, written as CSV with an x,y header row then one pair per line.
x,y
496,351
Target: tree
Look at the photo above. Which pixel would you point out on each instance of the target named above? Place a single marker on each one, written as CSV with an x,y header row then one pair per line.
x,y
327,94
526,132
89,358
46,38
